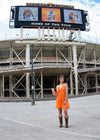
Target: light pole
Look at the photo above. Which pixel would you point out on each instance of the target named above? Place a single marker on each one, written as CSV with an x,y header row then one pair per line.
x,y
32,82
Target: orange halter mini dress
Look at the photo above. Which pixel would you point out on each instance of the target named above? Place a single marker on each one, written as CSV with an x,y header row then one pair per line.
x,y
61,98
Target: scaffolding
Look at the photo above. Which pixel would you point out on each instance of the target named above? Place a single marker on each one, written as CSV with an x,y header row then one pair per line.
x,y
78,61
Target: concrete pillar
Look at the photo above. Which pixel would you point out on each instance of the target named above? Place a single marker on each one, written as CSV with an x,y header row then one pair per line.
x,y
41,55
56,56
63,34
21,33
0,86
41,84
85,83
28,74
54,83
84,65
48,34
42,33
95,57
96,78
3,86
79,35
11,55
27,55
39,33
10,84
54,34
34,86
71,83
28,85
59,37
75,68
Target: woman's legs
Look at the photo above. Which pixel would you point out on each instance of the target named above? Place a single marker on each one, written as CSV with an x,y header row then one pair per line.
x,y
65,113
60,112
66,118
60,117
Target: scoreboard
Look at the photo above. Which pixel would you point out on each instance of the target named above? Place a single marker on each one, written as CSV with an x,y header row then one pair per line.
x,y
34,15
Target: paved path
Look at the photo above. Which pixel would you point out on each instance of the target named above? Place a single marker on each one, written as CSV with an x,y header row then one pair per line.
x,y
22,121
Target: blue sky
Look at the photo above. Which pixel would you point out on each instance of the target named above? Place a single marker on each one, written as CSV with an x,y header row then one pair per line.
x,y
92,6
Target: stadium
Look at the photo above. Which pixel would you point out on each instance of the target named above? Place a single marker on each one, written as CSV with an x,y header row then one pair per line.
x,y
78,61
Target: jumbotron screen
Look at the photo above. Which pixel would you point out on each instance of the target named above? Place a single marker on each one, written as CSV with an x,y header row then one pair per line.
x,y
49,16
28,14
72,16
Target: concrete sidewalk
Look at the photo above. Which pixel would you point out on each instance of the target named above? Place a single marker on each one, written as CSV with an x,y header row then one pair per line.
x,y
22,121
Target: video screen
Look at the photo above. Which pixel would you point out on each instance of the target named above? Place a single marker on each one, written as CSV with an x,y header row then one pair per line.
x,y
72,16
51,15
28,14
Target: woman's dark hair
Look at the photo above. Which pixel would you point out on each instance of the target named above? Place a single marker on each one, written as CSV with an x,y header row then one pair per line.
x,y
61,76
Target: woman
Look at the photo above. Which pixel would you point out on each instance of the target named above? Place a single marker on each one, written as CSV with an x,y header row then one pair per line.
x,y
62,100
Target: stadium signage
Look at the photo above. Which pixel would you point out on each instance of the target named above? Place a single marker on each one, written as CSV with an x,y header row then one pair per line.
x,y
35,15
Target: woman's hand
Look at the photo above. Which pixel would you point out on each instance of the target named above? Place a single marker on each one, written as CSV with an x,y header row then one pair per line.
x,y
65,102
53,91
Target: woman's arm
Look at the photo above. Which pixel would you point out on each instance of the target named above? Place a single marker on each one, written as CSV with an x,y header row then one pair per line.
x,y
54,92
66,94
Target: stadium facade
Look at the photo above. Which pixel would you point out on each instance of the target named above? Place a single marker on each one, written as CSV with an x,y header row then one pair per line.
x,y
78,61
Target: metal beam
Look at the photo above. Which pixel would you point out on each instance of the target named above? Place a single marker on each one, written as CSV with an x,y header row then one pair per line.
x,y
80,56
64,56
18,57
37,55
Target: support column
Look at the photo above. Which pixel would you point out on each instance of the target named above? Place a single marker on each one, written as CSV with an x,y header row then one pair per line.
x,y
84,65
3,86
75,68
63,34
54,83
28,74
28,85
34,86
71,82
59,37
95,57
85,83
41,84
41,55
96,78
27,55
48,34
10,84
21,33
56,56
54,34
0,86
79,35
39,33
42,33
11,55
